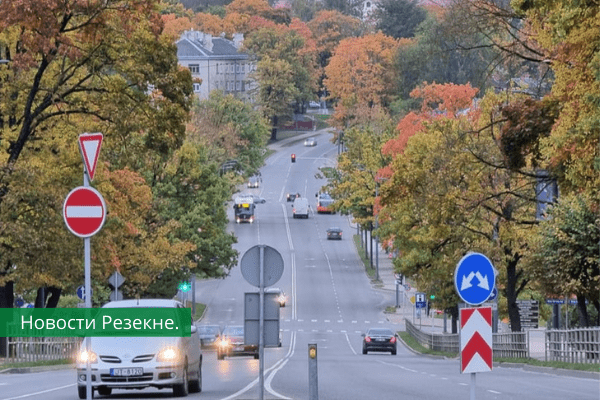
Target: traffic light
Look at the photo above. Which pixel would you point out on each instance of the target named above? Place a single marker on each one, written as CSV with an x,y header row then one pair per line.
x,y
293,158
432,296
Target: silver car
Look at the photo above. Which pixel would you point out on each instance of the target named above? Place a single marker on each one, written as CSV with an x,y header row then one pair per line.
x,y
140,362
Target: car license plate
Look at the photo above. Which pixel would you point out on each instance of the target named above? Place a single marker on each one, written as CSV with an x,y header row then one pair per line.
x,y
126,371
379,340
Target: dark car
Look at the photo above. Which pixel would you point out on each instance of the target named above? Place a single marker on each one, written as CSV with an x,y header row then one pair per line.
x,y
292,196
209,335
334,233
281,297
380,339
231,343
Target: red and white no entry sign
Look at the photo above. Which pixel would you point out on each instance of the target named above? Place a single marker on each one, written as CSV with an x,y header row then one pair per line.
x,y
84,211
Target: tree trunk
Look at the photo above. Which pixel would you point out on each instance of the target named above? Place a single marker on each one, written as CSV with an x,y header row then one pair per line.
x,y
511,292
274,127
584,318
43,301
7,299
453,311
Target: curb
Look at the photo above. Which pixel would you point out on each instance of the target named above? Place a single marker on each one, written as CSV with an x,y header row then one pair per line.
x,y
550,370
29,370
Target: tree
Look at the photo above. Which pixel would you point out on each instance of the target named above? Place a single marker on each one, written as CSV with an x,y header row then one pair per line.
x,y
452,191
566,254
226,129
284,71
361,72
348,7
399,18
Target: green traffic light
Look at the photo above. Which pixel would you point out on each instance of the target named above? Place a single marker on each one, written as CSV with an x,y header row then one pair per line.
x,y
432,296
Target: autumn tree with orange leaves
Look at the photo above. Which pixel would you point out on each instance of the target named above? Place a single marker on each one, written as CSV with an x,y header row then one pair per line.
x,y
361,73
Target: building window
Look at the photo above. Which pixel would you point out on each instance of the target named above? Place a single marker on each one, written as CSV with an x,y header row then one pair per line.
x,y
194,68
237,68
237,85
196,87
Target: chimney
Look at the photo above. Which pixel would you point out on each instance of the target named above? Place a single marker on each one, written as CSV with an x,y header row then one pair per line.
x,y
207,41
238,39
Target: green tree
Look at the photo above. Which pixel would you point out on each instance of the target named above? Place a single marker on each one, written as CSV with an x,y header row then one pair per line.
x,y
284,72
566,253
399,18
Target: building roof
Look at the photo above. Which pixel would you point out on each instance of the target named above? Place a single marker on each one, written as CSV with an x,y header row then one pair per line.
x,y
195,45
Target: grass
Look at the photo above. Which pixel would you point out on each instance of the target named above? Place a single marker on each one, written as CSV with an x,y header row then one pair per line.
x,y
35,364
371,273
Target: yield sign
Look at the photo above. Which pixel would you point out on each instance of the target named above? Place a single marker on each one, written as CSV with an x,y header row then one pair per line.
x,y
476,351
89,144
84,211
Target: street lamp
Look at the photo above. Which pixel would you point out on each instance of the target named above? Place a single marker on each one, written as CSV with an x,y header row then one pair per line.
x,y
377,179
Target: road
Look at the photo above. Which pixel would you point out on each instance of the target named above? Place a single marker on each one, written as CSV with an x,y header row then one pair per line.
x,y
331,302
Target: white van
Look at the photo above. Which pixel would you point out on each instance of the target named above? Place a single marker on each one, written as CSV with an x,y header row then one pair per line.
x,y
300,207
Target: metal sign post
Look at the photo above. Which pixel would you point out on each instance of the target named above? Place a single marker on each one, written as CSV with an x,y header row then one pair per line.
x,y
84,212
261,266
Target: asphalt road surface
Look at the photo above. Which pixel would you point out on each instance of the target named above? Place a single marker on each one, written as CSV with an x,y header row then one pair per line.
x,y
330,303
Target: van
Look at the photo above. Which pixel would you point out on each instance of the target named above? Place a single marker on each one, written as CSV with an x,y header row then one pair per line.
x,y
300,207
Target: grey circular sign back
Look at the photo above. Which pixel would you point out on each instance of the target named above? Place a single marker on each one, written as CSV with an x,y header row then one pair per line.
x,y
273,265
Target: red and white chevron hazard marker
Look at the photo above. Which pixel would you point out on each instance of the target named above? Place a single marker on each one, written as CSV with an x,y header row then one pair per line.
x,y
476,351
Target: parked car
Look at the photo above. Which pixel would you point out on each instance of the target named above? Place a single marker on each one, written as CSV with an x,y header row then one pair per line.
x,y
231,343
314,104
380,339
209,335
281,297
141,362
292,196
310,142
334,233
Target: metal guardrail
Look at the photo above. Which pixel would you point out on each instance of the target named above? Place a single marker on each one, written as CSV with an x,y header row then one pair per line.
x,y
573,345
32,349
580,345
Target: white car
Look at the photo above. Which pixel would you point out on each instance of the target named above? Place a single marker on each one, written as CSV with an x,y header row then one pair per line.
x,y
141,362
310,142
314,104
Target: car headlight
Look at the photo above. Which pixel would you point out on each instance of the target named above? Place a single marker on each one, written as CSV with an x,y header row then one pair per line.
x,y
281,299
84,356
169,354
223,343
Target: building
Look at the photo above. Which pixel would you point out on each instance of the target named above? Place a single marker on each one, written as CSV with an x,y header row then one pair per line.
x,y
217,64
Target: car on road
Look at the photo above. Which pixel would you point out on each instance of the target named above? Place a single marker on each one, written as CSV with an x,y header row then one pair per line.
x,y
292,196
314,104
141,362
380,339
209,335
310,142
334,233
257,199
281,297
231,343
254,181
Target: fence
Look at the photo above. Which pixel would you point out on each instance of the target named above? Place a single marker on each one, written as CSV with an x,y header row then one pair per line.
x,y
581,345
505,345
573,346
32,349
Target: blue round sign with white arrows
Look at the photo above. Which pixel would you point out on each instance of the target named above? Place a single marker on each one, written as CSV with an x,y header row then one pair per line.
x,y
474,278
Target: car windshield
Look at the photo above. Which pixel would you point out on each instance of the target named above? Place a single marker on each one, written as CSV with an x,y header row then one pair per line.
x,y
208,330
380,332
234,331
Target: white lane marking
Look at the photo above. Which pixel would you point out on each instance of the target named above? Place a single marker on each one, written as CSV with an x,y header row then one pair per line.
x,y
493,391
349,344
255,382
272,375
42,392
398,366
